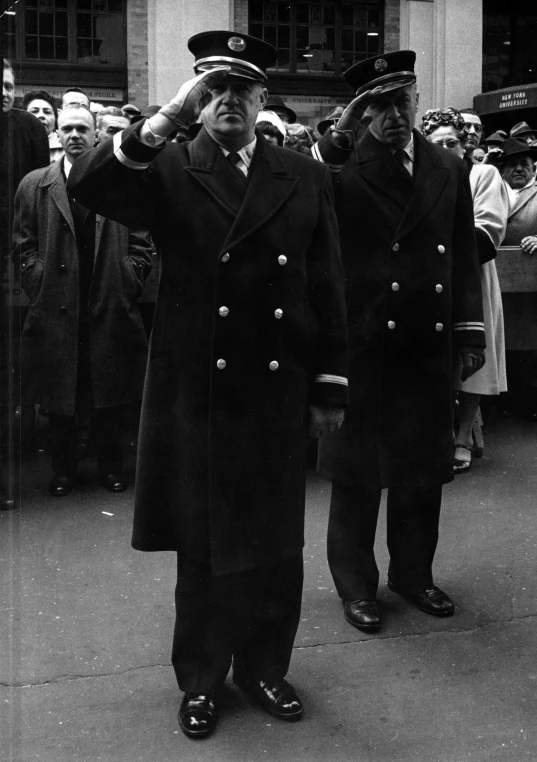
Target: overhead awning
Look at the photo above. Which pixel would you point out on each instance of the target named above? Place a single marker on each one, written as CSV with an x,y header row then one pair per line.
x,y
506,100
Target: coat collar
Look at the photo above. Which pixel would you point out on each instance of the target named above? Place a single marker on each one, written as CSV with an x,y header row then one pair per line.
x,y
417,195
269,184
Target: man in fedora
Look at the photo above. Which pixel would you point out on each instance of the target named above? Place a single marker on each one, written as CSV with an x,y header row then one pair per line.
x,y
248,355
414,303
330,120
277,104
520,309
523,131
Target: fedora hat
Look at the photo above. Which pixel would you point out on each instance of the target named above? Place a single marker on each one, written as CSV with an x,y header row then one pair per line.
x,y
276,103
520,129
517,147
331,118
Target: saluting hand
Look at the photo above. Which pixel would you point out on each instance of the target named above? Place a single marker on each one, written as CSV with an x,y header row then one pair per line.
x,y
324,419
473,359
193,96
354,120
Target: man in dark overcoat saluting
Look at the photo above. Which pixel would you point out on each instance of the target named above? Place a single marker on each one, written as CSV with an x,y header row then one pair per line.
x,y
414,299
248,354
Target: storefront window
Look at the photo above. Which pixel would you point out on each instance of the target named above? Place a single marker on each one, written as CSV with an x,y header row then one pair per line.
x,y
509,50
318,37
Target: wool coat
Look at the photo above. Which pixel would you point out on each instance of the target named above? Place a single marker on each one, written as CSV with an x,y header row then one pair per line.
x,y
413,291
249,329
520,309
45,252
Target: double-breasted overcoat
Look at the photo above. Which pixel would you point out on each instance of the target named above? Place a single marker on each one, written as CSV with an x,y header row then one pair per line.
x,y
413,292
249,329
45,250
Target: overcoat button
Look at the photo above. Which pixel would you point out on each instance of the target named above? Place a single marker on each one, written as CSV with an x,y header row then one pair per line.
x,y
282,259
391,325
441,249
63,309
221,364
274,365
439,288
223,311
23,266
278,314
439,326
395,247
63,268
395,287
225,258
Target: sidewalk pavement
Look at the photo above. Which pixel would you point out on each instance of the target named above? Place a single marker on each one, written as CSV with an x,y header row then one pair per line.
x,y
86,626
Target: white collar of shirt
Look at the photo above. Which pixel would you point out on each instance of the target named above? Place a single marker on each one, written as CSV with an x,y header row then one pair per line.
x,y
66,166
246,154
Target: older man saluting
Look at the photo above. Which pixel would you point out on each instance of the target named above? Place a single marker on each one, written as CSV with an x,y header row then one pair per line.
x,y
413,297
248,354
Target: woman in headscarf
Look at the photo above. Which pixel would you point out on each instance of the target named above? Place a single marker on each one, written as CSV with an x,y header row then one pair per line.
x,y
445,127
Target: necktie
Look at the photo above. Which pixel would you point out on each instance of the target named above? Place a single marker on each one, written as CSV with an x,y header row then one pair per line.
x,y
234,159
402,157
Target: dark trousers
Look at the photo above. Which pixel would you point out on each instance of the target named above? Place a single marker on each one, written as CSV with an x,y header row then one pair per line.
x,y
106,428
250,617
413,514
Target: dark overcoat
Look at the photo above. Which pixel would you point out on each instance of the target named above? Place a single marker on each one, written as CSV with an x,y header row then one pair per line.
x,y
249,329
413,291
45,251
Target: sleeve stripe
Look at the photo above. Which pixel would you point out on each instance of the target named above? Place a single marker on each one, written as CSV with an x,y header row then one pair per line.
x,y
468,327
318,157
327,378
121,156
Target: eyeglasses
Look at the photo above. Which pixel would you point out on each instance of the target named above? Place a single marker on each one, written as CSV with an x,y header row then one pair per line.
x,y
447,142
477,127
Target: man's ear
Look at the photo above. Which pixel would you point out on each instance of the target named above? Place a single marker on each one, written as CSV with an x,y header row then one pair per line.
x,y
417,99
263,97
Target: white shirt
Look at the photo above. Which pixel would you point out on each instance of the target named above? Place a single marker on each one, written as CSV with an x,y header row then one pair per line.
x,y
408,159
67,167
246,154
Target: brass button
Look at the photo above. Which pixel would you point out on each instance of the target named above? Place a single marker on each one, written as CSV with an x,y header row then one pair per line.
x,y
23,266
223,311
395,287
221,364
278,314
395,247
225,258
63,309
441,249
282,260
391,325
274,365
439,288
63,268
439,326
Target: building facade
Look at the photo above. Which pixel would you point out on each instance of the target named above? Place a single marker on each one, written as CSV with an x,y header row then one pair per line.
x,y
135,50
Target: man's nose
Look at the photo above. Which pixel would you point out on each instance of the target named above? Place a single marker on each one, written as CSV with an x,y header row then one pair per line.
x,y
393,110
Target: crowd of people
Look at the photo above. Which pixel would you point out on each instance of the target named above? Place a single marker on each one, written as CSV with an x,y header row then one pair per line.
x,y
343,288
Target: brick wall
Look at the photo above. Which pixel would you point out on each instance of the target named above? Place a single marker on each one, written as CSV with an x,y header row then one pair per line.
x,y
241,16
137,53
391,25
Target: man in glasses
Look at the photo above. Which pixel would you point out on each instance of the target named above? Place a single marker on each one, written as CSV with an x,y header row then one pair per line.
x,y
472,122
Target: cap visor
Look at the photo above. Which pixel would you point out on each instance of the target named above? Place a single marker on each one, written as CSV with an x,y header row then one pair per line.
x,y
234,71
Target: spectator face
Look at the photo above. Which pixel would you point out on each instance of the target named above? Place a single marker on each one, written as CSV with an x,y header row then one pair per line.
x,y
284,116
110,125
393,115
447,137
73,97
518,171
76,131
8,91
474,130
44,112
234,107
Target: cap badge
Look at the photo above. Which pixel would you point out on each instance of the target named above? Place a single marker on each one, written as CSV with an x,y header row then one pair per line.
x,y
381,64
236,44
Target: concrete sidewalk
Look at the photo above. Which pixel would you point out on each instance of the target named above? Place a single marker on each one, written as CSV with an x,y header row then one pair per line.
x,y
86,626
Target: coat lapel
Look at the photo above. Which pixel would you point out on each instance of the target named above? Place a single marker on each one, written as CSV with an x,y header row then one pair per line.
x,y
430,178
522,199
376,166
55,182
269,187
205,160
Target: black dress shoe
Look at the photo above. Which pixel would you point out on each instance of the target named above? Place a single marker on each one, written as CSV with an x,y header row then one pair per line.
x,y
276,696
115,483
364,614
197,715
432,600
61,484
